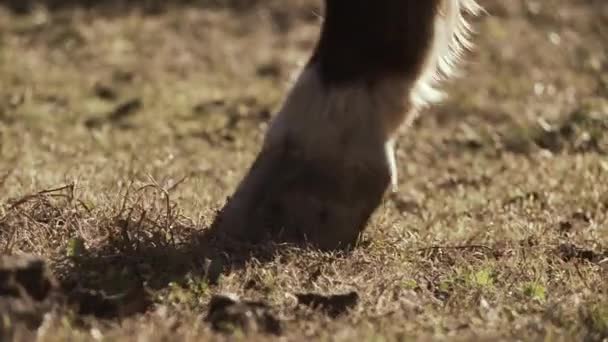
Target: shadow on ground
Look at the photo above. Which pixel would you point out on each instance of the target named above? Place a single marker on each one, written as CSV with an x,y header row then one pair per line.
x,y
148,248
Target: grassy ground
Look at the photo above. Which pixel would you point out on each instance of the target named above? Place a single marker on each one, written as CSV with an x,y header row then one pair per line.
x,y
124,128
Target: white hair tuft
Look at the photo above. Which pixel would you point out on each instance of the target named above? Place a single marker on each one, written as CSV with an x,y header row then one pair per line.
x,y
450,40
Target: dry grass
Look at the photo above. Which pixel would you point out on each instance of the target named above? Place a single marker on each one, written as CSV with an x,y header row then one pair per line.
x,y
123,131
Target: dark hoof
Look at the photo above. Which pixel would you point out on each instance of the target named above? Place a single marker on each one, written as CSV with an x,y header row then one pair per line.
x,y
287,197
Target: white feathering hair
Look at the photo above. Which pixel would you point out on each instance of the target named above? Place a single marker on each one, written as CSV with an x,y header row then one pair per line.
x,y
450,41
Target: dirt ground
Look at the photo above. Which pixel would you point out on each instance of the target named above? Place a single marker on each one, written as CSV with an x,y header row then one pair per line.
x,y
125,125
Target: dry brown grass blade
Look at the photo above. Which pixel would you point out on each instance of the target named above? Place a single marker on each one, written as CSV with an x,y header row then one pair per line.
x,y
54,192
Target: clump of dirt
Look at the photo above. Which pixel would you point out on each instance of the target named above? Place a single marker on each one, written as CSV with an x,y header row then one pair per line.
x,y
332,305
117,116
25,277
571,252
27,292
227,314
101,305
